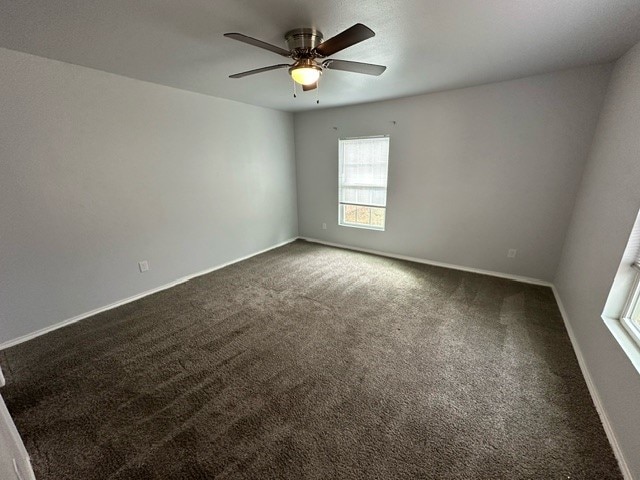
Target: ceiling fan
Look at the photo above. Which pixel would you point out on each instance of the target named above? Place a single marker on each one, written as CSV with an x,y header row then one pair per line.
x,y
310,54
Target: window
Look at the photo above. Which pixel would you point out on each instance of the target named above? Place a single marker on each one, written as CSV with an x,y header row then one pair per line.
x,y
362,182
621,313
631,312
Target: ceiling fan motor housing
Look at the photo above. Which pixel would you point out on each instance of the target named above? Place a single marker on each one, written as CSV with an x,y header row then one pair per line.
x,y
303,40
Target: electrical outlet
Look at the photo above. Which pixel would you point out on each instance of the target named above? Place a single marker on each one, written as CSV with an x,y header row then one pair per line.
x,y
143,266
324,226
512,253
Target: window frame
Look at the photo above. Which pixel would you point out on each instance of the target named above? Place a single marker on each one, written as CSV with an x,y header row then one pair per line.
x,y
341,221
633,302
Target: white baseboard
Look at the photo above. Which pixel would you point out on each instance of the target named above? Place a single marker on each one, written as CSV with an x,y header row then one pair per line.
x,y
69,321
624,468
517,278
12,447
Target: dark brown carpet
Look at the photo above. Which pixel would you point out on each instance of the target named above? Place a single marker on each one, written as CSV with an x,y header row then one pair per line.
x,y
310,362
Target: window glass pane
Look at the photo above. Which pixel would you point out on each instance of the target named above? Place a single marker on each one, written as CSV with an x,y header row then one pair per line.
x,y
364,215
635,314
377,217
360,215
349,214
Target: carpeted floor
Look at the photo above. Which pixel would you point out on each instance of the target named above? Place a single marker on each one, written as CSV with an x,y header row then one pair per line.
x,y
310,362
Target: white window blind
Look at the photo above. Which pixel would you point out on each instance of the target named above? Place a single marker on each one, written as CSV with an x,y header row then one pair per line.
x,y
362,187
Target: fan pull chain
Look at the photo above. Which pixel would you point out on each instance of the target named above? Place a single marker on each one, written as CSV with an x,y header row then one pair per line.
x,y
318,93
294,90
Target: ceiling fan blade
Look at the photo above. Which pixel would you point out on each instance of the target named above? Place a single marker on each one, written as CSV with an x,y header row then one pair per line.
x,y
313,86
259,70
349,37
355,67
258,43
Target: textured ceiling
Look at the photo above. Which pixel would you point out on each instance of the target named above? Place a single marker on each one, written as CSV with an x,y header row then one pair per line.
x,y
428,45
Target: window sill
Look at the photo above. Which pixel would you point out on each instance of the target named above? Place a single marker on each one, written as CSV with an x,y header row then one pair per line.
x,y
624,339
365,227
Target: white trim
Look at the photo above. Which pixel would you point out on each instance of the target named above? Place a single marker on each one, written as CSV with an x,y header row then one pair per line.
x,y
365,137
629,325
621,333
634,332
624,468
22,465
517,278
69,321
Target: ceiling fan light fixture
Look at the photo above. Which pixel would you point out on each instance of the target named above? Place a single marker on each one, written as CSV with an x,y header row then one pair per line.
x,y
305,74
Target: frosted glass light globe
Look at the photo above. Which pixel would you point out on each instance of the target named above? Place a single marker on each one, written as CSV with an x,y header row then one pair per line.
x,y
305,75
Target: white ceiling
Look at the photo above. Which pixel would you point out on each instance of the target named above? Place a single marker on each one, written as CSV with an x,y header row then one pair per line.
x,y
428,45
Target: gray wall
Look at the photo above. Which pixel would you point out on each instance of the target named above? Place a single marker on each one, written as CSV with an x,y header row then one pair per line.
x,y
604,215
99,171
473,172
